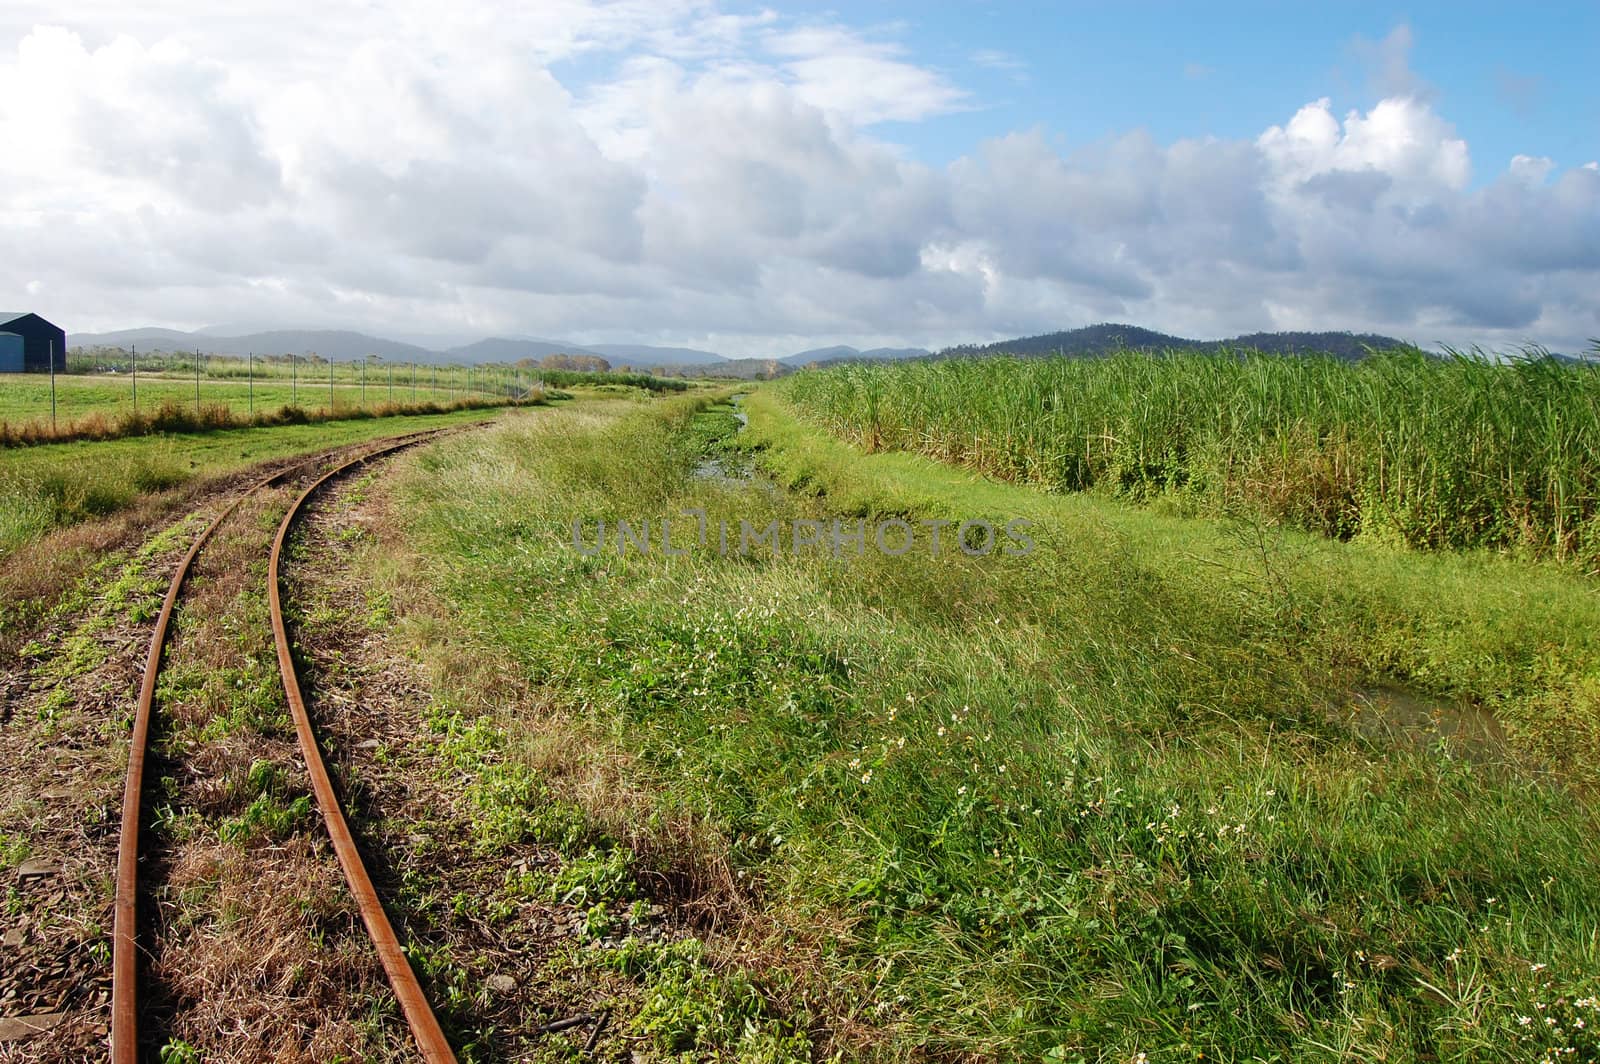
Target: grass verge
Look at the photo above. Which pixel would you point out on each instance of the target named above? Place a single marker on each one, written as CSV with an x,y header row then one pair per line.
x,y
1109,798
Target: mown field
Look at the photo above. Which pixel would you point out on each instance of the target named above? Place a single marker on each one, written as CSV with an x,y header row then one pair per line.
x,y
26,397
87,400
1404,448
1167,787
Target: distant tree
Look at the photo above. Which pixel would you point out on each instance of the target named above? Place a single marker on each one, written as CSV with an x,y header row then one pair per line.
x,y
577,363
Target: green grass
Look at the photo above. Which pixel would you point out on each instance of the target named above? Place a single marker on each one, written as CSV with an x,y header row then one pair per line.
x,y
1436,453
52,486
560,378
1105,799
25,398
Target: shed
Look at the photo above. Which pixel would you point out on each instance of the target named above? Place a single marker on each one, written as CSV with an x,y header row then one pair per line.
x,y
26,343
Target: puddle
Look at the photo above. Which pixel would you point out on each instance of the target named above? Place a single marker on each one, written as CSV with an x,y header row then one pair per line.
x,y
1462,728
733,467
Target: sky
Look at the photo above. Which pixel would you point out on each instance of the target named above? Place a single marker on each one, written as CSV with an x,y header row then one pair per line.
x,y
756,180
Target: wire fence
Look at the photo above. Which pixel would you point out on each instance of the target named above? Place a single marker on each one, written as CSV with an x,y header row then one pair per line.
x,y
111,384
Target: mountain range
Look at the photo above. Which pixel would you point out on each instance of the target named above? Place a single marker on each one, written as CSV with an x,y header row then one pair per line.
x,y
345,345
1098,339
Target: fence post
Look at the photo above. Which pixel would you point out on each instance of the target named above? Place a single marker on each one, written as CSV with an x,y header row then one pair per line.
x,y
363,384
52,383
252,375
294,383
330,385
135,349
197,382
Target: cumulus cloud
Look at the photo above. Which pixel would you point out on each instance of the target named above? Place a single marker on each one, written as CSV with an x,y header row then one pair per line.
x,y
670,172
1401,138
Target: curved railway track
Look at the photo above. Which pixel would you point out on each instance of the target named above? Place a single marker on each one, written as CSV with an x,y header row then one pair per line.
x,y
430,1039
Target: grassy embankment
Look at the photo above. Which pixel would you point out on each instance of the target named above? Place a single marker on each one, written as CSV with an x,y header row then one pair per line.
x,y
1113,797
1426,452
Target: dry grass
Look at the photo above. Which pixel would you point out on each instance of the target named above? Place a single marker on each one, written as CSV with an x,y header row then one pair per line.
x,y
173,416
257,950
275,964
63,726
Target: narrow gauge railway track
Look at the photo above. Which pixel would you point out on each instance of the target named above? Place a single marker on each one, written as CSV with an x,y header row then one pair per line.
x,y
431,1042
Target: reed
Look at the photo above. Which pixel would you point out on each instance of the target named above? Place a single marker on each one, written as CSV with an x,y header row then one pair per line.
x,y
1433,452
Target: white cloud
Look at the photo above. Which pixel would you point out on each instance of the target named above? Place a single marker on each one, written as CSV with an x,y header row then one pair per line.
x,y
862,81
1402,139
1004,62
154,117
719,180
1530,169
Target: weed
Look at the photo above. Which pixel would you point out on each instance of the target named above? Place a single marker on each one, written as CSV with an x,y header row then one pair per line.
x,y
179,1052
268,818
14,849
1096,801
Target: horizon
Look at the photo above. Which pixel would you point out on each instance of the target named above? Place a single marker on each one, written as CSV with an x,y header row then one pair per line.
x,y
761,181
614,351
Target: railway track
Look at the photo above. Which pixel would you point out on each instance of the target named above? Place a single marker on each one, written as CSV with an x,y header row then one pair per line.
x,y
431,1042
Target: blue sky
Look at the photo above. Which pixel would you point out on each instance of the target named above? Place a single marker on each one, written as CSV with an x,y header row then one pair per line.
x,y
1514,78
757,179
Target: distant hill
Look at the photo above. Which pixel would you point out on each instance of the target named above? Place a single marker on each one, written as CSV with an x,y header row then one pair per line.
x,y
819,354
329,343
497,349
1351,346
747,369
151,338
894,352
1100,339
646,355
846,353
345,346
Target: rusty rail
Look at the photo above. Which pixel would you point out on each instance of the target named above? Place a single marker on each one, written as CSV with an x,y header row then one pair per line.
x,y
430,1038
124,934
124,943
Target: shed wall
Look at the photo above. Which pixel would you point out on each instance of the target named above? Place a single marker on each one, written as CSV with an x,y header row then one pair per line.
x,y
12,353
